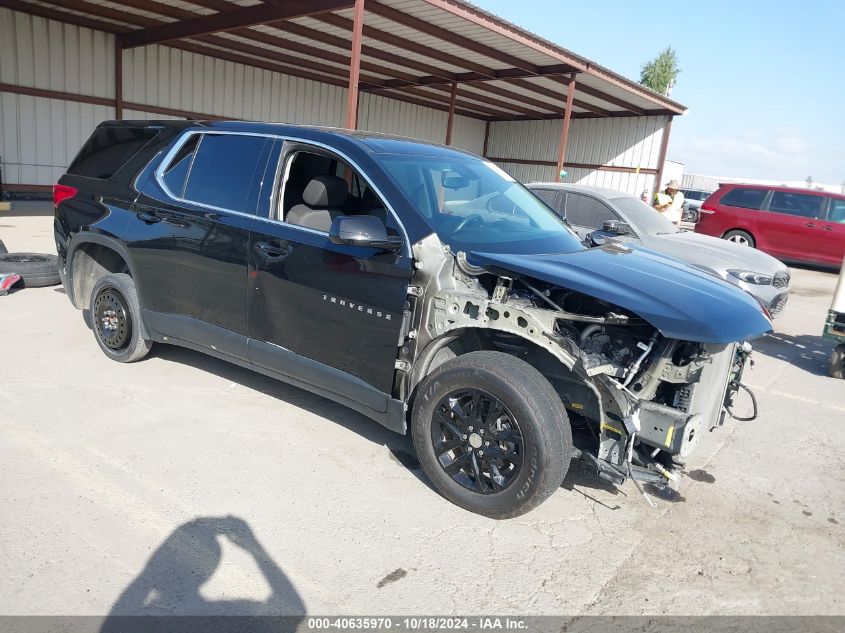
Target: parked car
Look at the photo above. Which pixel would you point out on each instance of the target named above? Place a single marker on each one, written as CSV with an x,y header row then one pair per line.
x,y
417,284
692,203
627,218
794,225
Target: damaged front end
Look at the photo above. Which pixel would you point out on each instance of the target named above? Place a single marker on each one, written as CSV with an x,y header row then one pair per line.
x,y
638,400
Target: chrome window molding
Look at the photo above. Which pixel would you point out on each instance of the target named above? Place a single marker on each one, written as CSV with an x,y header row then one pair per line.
x,y
159,176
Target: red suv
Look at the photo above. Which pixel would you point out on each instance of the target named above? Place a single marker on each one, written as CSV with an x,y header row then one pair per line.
x,y
791,224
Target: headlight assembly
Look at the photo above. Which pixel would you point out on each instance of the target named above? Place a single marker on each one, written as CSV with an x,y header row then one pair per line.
x,y
750,277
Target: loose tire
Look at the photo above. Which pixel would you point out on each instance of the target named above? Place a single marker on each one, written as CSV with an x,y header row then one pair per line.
x,y
116,319
491,434
36,269
743,238
837,362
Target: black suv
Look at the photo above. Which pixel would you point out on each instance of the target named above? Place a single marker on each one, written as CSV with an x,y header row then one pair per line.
x,y
415,283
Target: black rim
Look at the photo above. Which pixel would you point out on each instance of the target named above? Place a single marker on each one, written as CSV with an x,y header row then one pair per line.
x,y
111,319
477,441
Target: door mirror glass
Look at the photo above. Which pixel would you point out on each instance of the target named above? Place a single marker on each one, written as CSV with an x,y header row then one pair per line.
x,y
616,227
363,230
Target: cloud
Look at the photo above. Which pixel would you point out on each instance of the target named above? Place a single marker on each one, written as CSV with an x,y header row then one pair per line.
x,y
750,154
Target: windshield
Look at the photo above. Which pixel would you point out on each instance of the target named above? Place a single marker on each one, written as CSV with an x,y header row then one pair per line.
x,y
473,205
644,218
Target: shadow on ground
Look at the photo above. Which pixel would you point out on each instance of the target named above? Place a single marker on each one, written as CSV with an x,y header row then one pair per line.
x,y
168,589
805,351
400,446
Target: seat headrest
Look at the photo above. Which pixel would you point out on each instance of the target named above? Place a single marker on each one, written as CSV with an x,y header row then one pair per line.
x,y
325,191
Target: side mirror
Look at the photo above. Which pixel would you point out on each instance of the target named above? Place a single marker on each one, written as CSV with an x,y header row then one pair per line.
x,y
363,230
596,238
616,227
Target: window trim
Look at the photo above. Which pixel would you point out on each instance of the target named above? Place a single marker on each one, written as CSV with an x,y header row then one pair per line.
x,y
159,171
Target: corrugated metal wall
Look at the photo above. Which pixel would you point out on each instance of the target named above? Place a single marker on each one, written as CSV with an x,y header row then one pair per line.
x,y
632,142
40,136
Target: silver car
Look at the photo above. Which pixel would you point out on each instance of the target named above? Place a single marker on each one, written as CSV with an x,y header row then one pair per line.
x,y
628,219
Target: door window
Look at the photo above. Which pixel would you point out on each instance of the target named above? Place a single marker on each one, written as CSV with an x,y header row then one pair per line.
x,y
803,205
836,213
319,187
744,198
224,171
549,196
587,212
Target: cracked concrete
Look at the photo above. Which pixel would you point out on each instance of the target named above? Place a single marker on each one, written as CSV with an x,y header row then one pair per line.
x,y
305,506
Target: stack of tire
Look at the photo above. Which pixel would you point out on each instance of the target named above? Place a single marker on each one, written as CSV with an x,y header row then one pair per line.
x,y
35,269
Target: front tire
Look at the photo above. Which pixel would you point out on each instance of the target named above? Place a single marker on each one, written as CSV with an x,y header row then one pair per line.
x,y
116,319
491,434
743,238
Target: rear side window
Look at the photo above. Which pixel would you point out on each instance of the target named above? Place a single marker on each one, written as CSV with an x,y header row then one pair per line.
x,y
587,212
109,149
796,204
219,170
744,198
837,211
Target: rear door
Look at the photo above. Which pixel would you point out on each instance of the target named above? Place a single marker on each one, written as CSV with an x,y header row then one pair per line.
x,y
189,234
792,225
833,232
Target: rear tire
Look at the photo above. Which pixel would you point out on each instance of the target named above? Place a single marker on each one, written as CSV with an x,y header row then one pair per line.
x,y
837,362
36,269
743,238
116,319
491,434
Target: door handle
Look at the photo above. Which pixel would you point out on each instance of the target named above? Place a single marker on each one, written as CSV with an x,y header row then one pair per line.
x,y
273,248
827,228
810,225
149,218
175,222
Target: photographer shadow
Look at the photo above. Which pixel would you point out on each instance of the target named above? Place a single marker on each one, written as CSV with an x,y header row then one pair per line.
x,y
166,595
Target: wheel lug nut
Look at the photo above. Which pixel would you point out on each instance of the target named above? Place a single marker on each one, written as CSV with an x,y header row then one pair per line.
x,y
463,437
486,443
470,428
480,453
481,431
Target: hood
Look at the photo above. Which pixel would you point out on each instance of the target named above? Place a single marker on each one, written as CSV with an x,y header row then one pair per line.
x,y
681,302
713,253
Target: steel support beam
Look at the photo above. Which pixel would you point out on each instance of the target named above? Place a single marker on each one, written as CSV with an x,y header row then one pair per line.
x,y
661,157
567,117
355,67
118,77
228,20
451,120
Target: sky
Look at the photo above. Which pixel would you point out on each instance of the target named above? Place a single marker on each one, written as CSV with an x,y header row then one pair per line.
x,y
764,82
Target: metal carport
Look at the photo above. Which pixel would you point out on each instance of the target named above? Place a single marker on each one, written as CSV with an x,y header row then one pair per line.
x,y
437,69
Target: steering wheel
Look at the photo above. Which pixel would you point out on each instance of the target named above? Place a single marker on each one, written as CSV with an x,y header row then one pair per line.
x,y
473,218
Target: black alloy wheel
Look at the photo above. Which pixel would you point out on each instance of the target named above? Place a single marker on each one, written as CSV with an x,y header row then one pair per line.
x,y
112,320
477,441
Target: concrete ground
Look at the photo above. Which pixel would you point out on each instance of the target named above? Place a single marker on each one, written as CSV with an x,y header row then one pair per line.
x,y
182,484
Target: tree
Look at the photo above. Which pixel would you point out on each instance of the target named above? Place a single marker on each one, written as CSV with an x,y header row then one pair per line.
x,y
660,73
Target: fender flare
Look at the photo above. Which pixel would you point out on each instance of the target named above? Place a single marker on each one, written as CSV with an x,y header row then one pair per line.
x,y
108,241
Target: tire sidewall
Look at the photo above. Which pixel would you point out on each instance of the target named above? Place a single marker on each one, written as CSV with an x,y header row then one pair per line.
x,y
519,496
126,287
745,234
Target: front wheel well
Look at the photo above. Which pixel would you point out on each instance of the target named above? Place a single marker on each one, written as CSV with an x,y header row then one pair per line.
x,y
90,262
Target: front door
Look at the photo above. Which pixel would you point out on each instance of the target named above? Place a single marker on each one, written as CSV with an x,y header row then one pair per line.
x,y
329,315
833,232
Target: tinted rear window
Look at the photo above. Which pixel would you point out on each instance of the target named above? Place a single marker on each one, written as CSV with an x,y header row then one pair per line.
x,y
744,198
109,149
800,204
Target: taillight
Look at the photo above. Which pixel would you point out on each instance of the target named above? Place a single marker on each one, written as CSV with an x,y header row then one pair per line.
x,y
62,193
